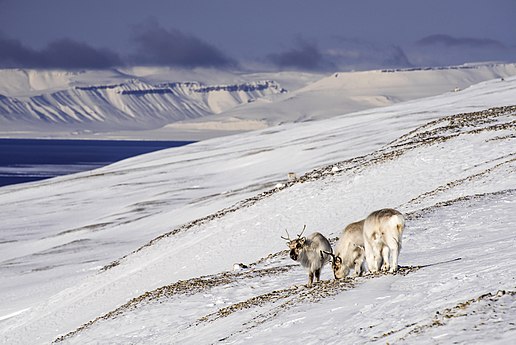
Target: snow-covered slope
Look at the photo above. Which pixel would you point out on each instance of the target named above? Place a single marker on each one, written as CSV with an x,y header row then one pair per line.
x,y
172,104
224,201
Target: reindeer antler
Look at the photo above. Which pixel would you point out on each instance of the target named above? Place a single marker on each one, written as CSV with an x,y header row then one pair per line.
x,y
288,236
299,235
328,253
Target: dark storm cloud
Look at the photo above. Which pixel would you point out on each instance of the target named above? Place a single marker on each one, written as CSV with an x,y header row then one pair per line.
x,y
15,54
67,53
451,41
158,46
305,56
63,53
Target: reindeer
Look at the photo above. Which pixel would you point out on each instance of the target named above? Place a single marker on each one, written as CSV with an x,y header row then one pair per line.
x,y
310,252
349,251
382,239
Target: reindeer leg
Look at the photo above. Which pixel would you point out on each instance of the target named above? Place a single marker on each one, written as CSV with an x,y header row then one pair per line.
x,y
358,268
318,275
395,252
368,250
362,267
385,258
360,262
310,279
373,256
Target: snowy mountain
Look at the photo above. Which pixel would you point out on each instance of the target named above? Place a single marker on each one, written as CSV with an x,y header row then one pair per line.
x,y
132,104
167,104
348,92
143,251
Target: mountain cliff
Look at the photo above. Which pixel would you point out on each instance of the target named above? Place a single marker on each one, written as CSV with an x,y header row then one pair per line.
x,y
133,104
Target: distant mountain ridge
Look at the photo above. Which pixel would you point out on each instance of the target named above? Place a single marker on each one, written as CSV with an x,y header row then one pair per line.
x,y
133,104
147,103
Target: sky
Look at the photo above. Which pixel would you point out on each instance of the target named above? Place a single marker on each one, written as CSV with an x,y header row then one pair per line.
x,y
323,35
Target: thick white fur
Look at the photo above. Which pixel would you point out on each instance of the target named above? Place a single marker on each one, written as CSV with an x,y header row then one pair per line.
x,y
349,251
383,230
311,254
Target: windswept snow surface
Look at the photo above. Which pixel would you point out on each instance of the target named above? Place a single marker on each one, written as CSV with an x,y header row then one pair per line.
x,y
224,201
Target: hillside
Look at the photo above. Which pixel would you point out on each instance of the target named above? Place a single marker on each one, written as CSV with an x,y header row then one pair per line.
x,y
169,226
153,103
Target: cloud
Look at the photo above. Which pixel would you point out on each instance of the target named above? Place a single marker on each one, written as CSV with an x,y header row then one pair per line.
x,y
153,46
14,54
359,54
445,50
450,41
305,56
396,58
63,53
158,46
67,53
339,53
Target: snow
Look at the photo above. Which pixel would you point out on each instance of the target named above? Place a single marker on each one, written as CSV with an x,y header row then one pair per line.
x,y
349,92
37,103
175,222
165,103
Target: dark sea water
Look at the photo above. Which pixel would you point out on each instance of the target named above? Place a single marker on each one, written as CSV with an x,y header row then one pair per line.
x,y
25,160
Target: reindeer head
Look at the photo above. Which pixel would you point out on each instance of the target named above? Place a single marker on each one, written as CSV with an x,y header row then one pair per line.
x,y
295,245
339,269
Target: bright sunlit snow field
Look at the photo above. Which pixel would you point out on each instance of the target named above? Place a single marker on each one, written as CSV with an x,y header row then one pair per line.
x,y
447,162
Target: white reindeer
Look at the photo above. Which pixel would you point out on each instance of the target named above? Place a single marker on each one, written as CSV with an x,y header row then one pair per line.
x,y
349,251
382,239
310,253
